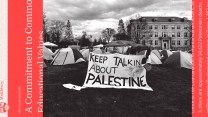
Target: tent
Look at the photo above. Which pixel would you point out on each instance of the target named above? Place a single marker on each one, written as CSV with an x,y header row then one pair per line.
x,y
49,44
180,59
67,56
143,52
98,46
166,53
44,65
74,47
86,52
155,58
157,53
47,54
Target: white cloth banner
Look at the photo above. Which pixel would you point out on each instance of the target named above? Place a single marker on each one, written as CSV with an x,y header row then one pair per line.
x,y
116,71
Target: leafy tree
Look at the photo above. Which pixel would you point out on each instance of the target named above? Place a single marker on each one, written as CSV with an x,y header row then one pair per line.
x,y
84,40
107,34
140,31
121,35
66,33
121,29
189,30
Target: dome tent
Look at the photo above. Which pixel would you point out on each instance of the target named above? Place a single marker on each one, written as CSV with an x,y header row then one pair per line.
x,y
155,57
166,54
47,53
157,53
67,56
179,59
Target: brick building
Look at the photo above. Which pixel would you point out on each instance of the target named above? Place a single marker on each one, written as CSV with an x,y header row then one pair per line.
x,y
161,32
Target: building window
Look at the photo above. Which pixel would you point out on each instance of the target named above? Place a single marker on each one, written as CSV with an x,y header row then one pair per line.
x,y
178,42
164,27
156,34
150,42
150,35
164,34
185,34
185,27
173,42
156,27
138,27
143,27
173,34
150,27
186,43
156,42
178,34
173,27
178,27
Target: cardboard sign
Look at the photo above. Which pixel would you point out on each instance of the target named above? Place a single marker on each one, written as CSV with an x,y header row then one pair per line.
x,y
116,71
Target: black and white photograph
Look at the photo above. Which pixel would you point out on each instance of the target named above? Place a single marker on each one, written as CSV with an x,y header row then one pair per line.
x,y
117,58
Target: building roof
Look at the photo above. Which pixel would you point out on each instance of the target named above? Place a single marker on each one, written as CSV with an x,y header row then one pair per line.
x,y
161,19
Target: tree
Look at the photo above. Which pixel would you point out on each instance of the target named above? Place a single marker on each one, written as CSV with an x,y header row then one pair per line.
x,y
55,30
140,30
121,35
107,34
84,40
66,33
121,29
188,28
45,34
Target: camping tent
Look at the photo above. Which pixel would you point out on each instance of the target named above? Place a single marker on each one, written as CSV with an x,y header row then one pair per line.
x,y
49,44
157,53
44,65
67,56
98,46
155,59
143,52
47,54
86,52
180,59
166,53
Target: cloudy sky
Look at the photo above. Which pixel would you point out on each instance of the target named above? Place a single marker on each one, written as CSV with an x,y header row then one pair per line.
x,y
93,16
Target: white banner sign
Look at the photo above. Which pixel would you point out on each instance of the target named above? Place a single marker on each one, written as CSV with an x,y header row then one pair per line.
x,y
116,71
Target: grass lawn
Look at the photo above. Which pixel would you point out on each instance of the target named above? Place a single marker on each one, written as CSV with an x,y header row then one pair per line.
x,y
171,96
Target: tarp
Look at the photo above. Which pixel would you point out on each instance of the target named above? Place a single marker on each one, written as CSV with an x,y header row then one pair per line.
x,y
116,71
67,56
47,54
180,59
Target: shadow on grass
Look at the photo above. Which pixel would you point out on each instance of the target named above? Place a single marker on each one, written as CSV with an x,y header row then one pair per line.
x,y
171,96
